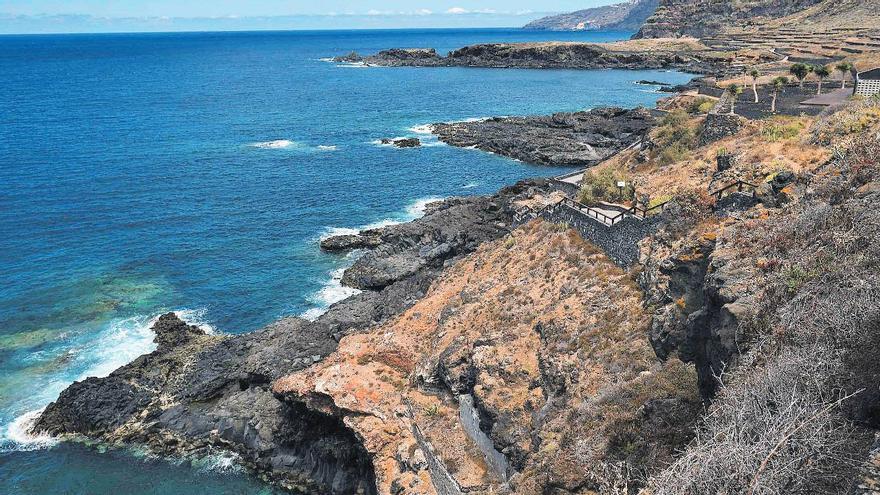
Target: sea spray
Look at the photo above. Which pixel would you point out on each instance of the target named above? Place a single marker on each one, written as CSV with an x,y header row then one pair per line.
x,y
91,355
17,437
332,290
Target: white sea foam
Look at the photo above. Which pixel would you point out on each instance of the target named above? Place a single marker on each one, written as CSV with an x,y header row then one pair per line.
x,y
418,207
332,290
17,436
327,147
273,145
224,462
422,129
470,185
196,317
120,343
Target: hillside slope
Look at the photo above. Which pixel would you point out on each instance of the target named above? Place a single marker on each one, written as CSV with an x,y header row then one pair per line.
x,y
702,18
627,16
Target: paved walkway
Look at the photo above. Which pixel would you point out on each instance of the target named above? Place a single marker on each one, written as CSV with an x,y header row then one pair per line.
x,y
597,214
836,97
573,178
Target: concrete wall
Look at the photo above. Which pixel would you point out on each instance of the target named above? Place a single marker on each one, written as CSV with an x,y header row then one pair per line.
x,y
868,87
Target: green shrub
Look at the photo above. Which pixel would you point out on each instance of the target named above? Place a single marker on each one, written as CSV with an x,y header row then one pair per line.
x,y
777,131
672,153
659,200
701,105
602,186
675,137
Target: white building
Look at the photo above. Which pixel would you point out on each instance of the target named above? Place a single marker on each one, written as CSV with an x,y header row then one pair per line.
x,y
868,83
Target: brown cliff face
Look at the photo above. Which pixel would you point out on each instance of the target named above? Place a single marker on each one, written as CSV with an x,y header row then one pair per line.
x,y
526,365
706,17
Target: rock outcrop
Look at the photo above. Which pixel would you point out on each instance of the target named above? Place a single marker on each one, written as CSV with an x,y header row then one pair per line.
x,y
403,142
686,55
708,17
625,16
526,365
196,393
576,139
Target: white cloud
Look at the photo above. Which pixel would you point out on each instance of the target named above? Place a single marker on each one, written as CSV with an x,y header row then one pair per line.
x,y
423,12
457,10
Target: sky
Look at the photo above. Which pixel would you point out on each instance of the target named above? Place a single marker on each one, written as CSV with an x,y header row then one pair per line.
x,y
45,16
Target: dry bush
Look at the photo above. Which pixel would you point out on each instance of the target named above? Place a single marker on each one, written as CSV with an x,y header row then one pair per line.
x,y
789,419
855,118
773,429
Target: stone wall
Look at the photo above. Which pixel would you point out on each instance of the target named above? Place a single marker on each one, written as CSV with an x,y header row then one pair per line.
x,y
620,241
718,126
567,188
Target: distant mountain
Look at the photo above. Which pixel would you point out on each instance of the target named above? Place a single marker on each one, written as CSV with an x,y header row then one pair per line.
x,y
701,18
628,15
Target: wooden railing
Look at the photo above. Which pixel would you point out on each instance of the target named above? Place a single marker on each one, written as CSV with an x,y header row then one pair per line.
x,y
595,214
643,212
739,185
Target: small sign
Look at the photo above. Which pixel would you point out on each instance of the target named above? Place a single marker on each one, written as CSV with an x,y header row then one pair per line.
x,y
621,183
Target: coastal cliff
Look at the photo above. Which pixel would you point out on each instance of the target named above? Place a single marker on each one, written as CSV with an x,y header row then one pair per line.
x,y
625,16
492,353
197,394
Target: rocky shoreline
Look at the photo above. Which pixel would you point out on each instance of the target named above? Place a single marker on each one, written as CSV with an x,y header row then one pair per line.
x,y
198,393
573,139
662,54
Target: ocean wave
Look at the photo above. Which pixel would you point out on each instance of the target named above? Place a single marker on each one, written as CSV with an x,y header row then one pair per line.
x,y
332,290
119,342
221,462
470,185
353,65
276,144
17,436
323,147
422,129
196,317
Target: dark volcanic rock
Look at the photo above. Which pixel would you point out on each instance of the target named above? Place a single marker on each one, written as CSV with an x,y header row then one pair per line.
x,y
400,57
452,228
718,126
403,142
348,242
198,393
351,58
577,139
547,55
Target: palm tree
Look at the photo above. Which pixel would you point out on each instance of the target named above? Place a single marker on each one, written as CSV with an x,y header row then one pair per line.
x,y
800,71
734,90
844,68
755,74
778,85
822,72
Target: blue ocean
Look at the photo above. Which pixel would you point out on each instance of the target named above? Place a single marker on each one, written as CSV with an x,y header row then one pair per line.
x,y
197,172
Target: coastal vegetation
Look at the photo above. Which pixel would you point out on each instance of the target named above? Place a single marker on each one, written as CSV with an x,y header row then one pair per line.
x,y
604,185
501,344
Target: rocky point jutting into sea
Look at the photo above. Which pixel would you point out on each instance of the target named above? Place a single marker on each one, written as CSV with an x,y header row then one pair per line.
x,y
501,344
